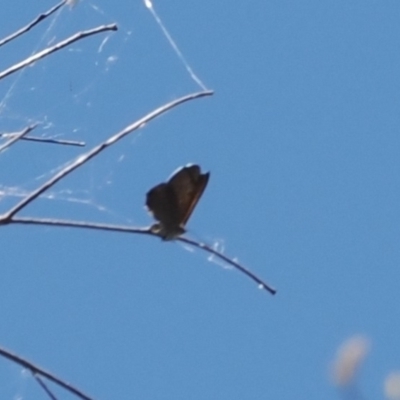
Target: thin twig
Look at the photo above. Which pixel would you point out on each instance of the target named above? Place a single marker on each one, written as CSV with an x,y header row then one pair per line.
x,y
17,136
144,231
37,370
39,18
40,381
241,268
58,46
46,140
82,159
81,224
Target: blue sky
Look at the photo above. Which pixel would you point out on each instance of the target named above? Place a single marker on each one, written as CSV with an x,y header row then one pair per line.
x,y
302,141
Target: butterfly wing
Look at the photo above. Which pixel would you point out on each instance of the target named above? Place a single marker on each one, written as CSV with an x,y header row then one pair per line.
x,y
161,202
188,184
173,202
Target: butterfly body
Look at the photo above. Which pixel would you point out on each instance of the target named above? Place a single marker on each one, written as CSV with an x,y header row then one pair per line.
x,y
173,202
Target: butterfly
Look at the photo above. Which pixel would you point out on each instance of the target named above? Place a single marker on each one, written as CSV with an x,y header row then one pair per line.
x,y
172,202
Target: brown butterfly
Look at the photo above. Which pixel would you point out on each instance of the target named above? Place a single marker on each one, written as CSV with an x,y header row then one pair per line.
x,y
172,202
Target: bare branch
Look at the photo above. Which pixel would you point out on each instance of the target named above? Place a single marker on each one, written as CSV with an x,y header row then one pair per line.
x,y
39,18
144,231
80,224
40,381
46,140
17,136
37,370
58,46
82,159
229,261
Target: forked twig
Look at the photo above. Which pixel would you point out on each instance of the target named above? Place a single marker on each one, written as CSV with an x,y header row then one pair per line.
x,y
144,231
17,136
26,28
39,371
9,216
58,46
82,159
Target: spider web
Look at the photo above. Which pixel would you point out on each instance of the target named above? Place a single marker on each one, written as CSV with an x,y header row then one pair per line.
x,y
85,93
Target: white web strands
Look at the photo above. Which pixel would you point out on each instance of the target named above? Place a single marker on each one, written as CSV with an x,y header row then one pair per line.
x,y
48,128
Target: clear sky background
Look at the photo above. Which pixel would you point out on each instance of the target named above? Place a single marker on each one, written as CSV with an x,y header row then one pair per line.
x,y
302,138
